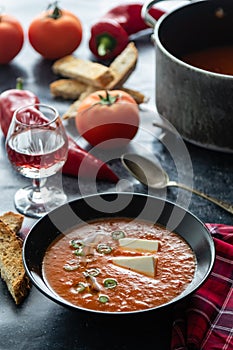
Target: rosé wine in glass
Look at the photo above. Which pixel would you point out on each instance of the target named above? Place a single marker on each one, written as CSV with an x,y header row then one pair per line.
x,y
37,147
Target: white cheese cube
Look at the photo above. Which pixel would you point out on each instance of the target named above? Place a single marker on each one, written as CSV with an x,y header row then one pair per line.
x,y
139,244
141,264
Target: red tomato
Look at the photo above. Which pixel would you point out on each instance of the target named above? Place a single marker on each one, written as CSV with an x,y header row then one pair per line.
x,y
108,119
55,33
11,38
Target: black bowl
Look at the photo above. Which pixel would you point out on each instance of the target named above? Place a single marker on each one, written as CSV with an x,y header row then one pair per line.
x,y
128,205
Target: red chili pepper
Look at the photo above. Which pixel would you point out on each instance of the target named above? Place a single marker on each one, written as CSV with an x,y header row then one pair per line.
x,y
12,99
82,163
111,34
108,39
129,17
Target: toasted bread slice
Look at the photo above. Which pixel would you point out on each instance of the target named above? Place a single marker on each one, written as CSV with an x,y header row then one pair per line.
x,y
137,95
72,89
11,263
13,220
85,71
72,110
123,65
69,89
121,68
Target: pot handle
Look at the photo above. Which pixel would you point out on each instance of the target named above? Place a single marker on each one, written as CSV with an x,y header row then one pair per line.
x,y
149,20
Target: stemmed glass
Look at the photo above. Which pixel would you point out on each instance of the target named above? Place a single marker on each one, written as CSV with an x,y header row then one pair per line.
x,y
37,146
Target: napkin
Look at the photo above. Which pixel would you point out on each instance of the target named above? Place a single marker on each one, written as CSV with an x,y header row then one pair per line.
x,y
205,320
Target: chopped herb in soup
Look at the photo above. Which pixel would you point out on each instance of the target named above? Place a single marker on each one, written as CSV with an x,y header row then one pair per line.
x,y
119,265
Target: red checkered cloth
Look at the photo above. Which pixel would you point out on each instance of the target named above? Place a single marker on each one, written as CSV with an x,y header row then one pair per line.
x,y
205,321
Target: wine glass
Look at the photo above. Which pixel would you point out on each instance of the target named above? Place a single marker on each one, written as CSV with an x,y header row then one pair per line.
x,y
37,147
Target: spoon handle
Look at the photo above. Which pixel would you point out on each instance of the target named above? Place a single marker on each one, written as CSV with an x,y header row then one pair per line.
x,y
227,206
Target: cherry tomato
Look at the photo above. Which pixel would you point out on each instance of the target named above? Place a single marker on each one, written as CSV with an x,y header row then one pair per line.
x,y
108,118
55,33
11,38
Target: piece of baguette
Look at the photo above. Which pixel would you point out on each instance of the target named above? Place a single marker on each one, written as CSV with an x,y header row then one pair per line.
x,y
137,95
87,72
11,263
13,220
72,89
72,110
121,68
69,89
123,65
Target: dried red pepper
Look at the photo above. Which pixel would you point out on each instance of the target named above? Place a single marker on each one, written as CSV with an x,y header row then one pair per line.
x,y
111,34
12,99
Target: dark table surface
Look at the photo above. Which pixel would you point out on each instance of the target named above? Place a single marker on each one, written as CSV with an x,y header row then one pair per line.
x,y
39,323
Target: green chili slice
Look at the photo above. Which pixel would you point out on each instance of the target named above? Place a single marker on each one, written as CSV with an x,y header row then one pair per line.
x,y
104,248
79,251
118,234
92,272
103,299
80,287
110,283
69,267
76,243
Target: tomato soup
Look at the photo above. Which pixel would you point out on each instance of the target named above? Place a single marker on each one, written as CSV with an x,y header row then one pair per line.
x,y
119,265
215,59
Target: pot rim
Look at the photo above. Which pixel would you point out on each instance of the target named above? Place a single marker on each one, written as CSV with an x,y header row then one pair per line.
x,y
178,61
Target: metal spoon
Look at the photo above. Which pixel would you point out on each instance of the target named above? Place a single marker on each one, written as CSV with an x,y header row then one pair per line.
x,y
151,174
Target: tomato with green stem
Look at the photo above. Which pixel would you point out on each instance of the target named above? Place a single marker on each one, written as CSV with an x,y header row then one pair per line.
x,y
55,32
108,119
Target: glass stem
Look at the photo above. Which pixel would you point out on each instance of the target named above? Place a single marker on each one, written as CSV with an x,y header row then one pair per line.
x,y
36,195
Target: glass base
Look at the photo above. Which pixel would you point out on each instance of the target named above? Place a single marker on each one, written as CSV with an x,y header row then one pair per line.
x,y
36,204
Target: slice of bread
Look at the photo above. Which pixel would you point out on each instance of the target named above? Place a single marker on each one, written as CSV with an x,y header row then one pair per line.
x,y
137,95
13,220
121,68
123,65
72,89
11,262
69,89
72,110
87,72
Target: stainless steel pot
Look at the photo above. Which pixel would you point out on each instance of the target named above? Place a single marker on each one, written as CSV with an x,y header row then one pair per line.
x,y
197,102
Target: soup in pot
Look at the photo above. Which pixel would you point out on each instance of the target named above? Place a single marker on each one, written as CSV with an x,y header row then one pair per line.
x,y
217,59
119,265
